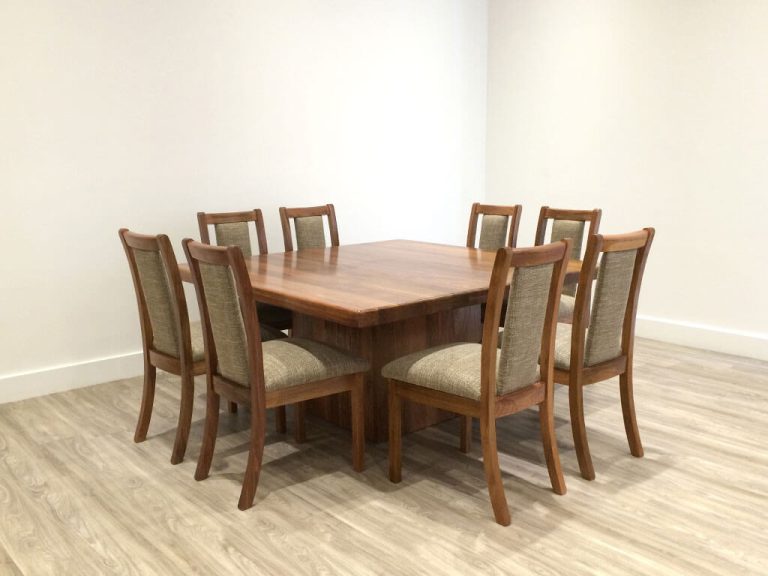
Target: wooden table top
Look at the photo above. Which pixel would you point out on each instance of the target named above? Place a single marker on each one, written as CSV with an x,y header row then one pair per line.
x,y
374,283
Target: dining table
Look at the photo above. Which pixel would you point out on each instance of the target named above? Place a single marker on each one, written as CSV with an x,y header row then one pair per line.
x,y
378,300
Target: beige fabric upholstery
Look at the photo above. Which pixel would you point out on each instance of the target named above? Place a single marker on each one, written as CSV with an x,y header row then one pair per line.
x,y
226,322
493,232
292,361
310,232
563,346
566,308
234,234
198,345
608,307
603,338
523,328
573,229
160,306
451,368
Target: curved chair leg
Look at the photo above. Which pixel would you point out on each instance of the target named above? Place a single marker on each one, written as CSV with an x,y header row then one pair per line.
x,y
253,469
232,407
465,443
185,417
299,414
492,472
576,400
358,423
628,409
209,435
395,434
147,401
280,420
549,440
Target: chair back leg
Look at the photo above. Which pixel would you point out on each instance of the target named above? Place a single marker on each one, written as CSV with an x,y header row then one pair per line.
x,y
492,471
185,416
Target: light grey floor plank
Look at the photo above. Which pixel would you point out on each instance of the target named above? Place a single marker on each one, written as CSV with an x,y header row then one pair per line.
x,y
77,496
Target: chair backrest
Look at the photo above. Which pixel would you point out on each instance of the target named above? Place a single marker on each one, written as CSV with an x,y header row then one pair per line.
x,y
611,321
568,224
228,313
498,228
162,306
232,229
527,344
310,230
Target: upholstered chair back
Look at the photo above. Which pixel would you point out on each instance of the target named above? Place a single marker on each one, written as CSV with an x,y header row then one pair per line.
x,y
568,224
498,226
309,224
609,306
310,232
529,297
233,229
225,322
162,306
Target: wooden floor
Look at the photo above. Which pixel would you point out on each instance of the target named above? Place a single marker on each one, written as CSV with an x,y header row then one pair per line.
x,y
77,496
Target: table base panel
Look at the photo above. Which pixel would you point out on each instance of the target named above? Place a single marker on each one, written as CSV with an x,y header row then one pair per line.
x,y
379,345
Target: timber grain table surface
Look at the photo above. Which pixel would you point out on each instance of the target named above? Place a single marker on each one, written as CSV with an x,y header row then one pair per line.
x,y
374,283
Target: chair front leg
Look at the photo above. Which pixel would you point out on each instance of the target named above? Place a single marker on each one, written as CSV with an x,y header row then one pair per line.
x,y
492,471
576,401
628,410
255,456
357,408
395,433
209,434
549,440
465,442
147,401
185,416
299,416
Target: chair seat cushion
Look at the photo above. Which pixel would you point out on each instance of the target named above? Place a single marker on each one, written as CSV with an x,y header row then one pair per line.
x,y
293,361
198,346
451,368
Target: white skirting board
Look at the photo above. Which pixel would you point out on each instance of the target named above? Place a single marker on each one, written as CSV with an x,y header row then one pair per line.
x,y
52,379
15,387
716,338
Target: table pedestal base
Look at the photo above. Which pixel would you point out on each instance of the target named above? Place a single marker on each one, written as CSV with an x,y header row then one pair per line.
x,y
379,345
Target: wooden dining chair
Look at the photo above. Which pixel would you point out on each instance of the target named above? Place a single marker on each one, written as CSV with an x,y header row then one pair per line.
x,y
232,229
244,369
169,341
600,343
486,381
498,228
567,224
309,226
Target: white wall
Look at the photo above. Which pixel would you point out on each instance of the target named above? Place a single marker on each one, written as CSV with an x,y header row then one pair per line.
x,y
141,113
655,111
